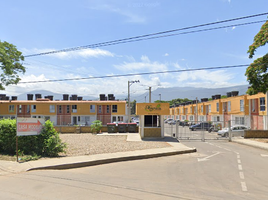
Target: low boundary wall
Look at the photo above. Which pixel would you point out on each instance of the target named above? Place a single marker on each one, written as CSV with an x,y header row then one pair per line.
x,y
256,134
83,129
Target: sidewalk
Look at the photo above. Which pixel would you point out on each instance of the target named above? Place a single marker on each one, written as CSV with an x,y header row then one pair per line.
x,y
252,143
7,167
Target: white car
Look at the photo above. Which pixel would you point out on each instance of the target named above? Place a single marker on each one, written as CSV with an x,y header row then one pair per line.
x,y
237,130
168,120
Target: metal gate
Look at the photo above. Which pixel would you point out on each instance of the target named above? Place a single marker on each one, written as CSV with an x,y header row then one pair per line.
x,y
204,130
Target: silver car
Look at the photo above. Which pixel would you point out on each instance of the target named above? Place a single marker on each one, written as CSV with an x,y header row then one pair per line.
x,y
237,130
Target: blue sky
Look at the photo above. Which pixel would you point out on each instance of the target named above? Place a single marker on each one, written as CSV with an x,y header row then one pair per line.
x,y
41,26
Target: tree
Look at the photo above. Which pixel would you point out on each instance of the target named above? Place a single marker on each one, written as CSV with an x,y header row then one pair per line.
x,y
133,107
256,73
10,64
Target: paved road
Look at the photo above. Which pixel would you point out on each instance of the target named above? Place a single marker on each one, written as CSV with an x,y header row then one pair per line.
x,y
219,170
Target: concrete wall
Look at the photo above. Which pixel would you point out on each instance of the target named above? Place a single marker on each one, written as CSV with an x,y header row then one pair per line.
x,y
152,132
256,134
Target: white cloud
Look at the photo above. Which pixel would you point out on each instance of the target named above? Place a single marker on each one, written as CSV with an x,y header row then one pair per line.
x,y
205,78
144,65
166,54
84,53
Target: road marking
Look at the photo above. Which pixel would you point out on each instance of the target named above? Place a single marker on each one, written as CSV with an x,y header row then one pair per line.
x,y
240,167
244,187
264,155
238,156
207,158
239,161
241,174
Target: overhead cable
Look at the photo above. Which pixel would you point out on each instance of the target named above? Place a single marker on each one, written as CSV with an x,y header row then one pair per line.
x,y
143,37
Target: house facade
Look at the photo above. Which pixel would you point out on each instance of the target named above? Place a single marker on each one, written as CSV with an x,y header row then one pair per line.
x,y
73,111
244,109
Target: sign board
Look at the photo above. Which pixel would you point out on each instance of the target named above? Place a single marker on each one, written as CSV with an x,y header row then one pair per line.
x,y
29,126
152,108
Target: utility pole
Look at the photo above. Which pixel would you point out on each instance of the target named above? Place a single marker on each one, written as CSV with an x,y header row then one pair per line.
x,y
196,110
129,84
150,93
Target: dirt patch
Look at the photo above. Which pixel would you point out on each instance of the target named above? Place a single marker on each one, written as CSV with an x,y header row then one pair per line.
x,y
264,140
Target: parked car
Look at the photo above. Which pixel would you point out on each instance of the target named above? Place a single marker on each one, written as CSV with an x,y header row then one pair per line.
x,y
167,120
173,122
237,130
200,126
183,123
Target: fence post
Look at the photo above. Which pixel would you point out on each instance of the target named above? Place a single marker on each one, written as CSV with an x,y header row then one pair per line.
x,y
229,131
177,129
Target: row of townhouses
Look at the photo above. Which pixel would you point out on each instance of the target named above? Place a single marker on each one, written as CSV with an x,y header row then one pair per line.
x,y
244,109
68,111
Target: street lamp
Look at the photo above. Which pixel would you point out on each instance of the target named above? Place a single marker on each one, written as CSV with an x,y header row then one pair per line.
x,y
129,84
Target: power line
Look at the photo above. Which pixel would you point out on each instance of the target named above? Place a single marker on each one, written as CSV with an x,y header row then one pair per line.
x,y
136,74
142,37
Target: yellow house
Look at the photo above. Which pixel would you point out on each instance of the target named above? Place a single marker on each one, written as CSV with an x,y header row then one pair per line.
x,y
66,111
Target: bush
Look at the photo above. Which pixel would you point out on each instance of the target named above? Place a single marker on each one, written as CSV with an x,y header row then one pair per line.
x,y
51,141
47,143
96,126
8,136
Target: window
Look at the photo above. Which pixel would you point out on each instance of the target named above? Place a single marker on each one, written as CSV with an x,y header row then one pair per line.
x,y
114,119
114,108
20,108
151,120
186,110
202,118
47,118
68,109
120,118
52,108
242,105
202,109
92,108
11,108
108,109
218,107
229,106
179,111
99,109
183,117
262,104
59,109
209,108
253,105
191,118
74,108
33,108
216,118
28,108
239,120
191,110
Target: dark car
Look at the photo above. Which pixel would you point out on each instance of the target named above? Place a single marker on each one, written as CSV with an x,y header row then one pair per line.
x,y
200,126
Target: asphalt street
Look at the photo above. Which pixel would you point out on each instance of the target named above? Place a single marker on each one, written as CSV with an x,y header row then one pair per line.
x,y
219,170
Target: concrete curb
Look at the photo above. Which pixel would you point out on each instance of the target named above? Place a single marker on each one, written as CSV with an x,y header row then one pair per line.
x,y
111,160
252,144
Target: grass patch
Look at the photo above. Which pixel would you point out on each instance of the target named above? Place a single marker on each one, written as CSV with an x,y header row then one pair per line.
x,y
23,158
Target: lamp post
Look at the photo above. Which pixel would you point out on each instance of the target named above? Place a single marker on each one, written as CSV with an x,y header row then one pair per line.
x,y
129,84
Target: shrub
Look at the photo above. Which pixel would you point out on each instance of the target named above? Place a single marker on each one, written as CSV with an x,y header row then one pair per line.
x,y
47,143
96,126
8,136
